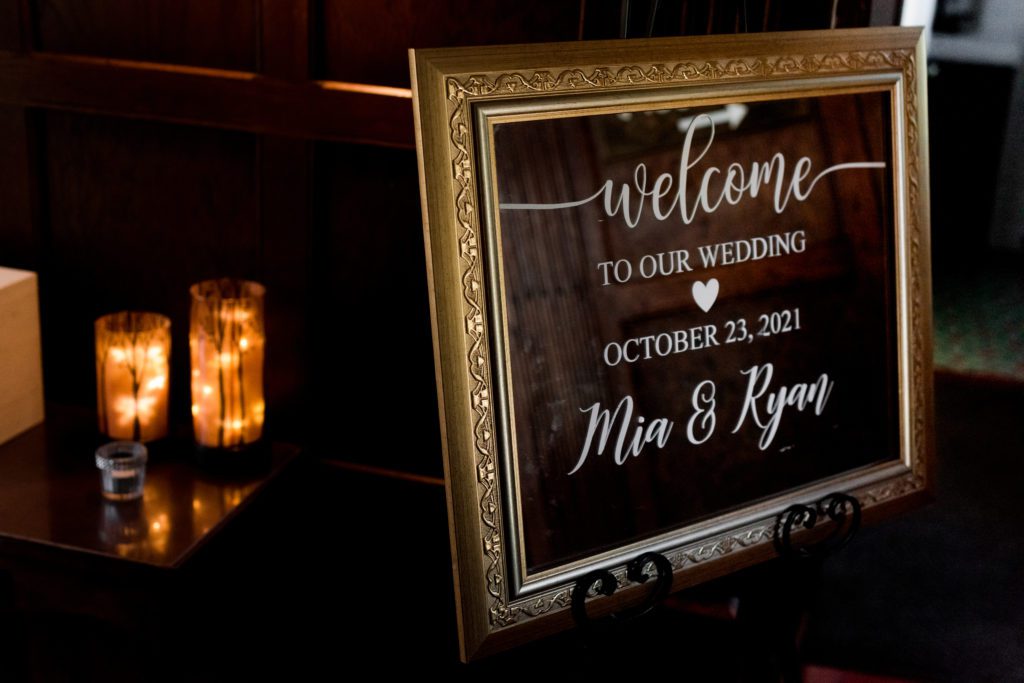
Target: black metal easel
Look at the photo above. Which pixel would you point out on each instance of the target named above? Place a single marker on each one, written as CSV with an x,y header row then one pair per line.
x,y
842,509
603,582
834,507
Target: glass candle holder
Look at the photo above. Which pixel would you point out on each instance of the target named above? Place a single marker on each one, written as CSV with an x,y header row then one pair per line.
x,y
122,466
133,353
227,340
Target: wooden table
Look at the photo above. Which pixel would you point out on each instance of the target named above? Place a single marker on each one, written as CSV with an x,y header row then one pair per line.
x,y
77,571
50,500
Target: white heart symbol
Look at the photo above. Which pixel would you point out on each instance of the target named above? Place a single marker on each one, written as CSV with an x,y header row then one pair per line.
x,y
705,294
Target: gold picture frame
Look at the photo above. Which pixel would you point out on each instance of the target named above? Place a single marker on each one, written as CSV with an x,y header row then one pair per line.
x,y
460,96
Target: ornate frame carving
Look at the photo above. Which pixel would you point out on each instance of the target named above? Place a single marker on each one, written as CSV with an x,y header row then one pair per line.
x,y
446,85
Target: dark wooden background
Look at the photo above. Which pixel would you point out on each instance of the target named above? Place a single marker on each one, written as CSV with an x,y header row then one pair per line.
x,y
148,145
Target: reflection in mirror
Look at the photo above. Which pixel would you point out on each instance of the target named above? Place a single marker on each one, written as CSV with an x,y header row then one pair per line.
x,y
698,313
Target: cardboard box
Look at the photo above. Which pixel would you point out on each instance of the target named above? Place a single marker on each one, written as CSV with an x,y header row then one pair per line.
x,y
21,367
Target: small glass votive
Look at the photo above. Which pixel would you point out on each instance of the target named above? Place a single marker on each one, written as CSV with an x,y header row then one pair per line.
x,y
122,466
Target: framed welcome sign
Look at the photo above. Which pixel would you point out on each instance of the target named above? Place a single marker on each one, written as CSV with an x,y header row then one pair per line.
x,y
677,285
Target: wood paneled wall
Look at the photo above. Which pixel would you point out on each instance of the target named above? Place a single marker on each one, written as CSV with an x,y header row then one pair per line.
x,y
148,145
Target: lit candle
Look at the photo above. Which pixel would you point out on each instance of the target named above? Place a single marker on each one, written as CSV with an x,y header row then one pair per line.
x,y
227,340
133,353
